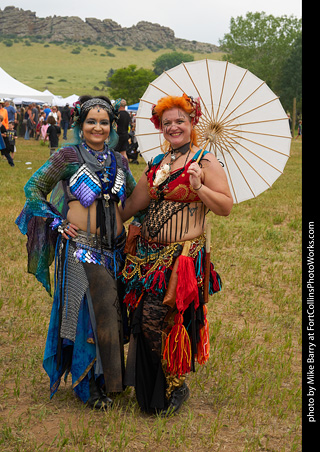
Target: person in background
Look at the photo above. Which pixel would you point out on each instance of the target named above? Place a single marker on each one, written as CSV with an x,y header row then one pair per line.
x,y
47,110
132,151
65,120
39,125
43,131
56,114
12,113
4,143
290,121
4,114
53,133
123,124
30,122
11,136
22,122
35,120
299,134
81,229
167,274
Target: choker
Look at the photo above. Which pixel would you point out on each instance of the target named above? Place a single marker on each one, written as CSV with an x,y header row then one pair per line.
x,y
182,150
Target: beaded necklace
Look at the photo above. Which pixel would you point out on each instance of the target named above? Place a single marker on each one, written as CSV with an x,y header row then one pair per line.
x,y
101,156
107,173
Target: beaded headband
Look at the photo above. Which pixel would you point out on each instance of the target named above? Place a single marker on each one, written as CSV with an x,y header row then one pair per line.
x,y
91,103
80,110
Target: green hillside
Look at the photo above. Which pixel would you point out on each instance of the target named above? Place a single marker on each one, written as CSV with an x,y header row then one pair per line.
x,y
67,69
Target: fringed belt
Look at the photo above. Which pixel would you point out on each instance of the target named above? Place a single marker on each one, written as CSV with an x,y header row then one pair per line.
x,y
157,255
91,248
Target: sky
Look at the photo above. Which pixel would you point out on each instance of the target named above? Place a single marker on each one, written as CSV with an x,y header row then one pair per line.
x,y
199,20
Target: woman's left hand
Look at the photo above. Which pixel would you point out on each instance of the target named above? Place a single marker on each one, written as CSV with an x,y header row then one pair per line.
x,y
196,175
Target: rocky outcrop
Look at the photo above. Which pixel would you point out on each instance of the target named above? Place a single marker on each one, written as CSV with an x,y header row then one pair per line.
x,y
21,23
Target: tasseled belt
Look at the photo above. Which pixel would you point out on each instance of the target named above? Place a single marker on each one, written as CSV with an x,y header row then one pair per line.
x,y
91,248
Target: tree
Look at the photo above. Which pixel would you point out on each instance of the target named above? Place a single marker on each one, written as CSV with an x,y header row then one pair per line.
x,y
170,60
130,83
260,43
290,84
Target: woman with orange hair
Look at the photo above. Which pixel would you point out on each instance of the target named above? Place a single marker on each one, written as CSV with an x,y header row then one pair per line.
x,y
164,273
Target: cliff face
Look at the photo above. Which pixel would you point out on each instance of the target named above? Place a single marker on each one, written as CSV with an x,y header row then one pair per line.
x,y
21,23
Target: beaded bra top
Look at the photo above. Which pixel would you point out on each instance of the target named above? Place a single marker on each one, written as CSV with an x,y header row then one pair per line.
x,y
172,196
176,187
108,179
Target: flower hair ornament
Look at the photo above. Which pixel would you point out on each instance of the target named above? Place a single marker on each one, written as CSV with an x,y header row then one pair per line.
x,y
155,118
184,102
196,112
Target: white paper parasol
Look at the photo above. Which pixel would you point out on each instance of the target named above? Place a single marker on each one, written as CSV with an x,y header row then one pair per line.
x,y
243,122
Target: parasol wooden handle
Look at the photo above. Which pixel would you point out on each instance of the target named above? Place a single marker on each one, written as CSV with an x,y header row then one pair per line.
x,y
203,149
207,264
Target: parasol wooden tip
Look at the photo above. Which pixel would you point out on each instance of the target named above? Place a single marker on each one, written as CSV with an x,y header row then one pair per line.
x,y
208,237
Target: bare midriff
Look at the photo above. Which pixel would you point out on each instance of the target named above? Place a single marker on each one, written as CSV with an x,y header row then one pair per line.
x,y
78,215
196,224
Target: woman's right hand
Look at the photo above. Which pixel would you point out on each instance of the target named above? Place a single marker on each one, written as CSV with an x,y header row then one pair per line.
x,y
70,231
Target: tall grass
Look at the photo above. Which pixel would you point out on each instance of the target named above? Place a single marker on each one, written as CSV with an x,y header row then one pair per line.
x,y
247,398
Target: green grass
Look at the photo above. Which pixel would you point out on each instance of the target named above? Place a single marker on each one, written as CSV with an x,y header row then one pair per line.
x,y
247,398
64,73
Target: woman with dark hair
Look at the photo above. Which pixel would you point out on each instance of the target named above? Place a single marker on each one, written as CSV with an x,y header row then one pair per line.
x,y
167,273
82,230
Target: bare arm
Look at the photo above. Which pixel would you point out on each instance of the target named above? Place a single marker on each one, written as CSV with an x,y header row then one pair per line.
x,y
214,191
138,200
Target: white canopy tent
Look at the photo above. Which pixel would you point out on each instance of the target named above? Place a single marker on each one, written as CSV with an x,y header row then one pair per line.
x,y
68,100
26,101
11,88
55,99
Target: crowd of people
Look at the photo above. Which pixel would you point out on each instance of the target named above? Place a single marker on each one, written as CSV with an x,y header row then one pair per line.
x,y
45,123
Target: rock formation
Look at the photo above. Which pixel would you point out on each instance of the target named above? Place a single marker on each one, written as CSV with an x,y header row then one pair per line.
x,y
16,22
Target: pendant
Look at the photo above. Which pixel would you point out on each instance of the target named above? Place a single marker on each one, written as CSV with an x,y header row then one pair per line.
x,y
161,175
105,178
106,197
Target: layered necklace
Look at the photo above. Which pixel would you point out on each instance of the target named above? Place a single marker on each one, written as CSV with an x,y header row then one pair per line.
x,y
164,171
107,173
101,155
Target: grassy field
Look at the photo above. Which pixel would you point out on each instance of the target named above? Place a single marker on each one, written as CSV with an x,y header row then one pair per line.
x,y
54,67
247,398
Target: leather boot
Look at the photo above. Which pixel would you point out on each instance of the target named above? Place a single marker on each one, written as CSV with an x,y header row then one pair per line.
x,y
178,396
98,398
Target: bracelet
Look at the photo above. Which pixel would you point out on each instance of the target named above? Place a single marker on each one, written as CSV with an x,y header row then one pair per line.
x,y
196,189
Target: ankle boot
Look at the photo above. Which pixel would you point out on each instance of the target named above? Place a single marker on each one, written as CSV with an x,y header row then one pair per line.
x,y
178,396
98,398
